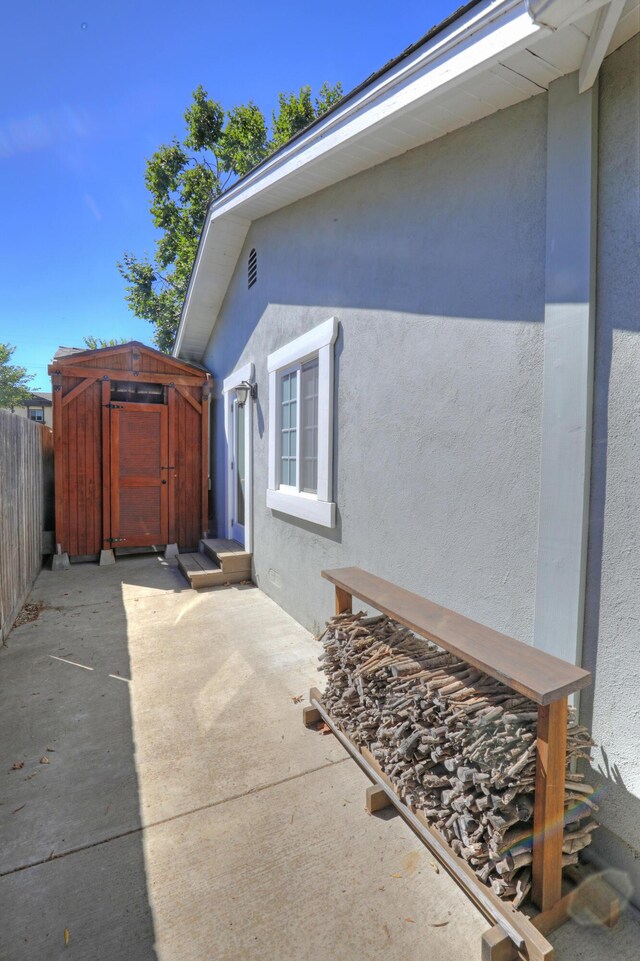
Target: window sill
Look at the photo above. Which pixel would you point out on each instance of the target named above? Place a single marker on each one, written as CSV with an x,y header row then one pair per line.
x,y
304,506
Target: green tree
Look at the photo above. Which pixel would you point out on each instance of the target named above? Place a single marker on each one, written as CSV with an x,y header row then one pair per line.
x,y
97,343
184,176
15,388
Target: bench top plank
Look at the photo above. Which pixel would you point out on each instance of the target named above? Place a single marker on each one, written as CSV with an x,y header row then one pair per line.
x,y
540,676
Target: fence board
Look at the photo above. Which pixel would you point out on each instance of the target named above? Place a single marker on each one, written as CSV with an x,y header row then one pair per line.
x,y
26,499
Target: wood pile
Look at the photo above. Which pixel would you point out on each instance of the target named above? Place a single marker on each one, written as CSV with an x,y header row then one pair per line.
x,y
459,746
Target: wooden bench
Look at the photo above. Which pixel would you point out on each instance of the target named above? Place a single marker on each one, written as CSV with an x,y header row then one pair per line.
x,y
548,681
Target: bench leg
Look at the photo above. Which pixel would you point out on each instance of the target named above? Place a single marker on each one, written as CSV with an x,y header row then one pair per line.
x,y
343,601
310,716
548,816
376,799
497,946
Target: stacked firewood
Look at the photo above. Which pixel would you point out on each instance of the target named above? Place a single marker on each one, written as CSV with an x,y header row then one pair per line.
x,y
459,746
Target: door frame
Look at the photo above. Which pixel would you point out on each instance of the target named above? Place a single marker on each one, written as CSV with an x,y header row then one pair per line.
x,y
247,372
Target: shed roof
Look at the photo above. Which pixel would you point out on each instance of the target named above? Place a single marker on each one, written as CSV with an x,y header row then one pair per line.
x,y
100,357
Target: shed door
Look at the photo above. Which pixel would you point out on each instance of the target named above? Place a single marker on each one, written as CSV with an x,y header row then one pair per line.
x,y
139,489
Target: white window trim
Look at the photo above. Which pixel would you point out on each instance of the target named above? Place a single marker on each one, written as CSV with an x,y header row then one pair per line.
x,y
316,508
228,386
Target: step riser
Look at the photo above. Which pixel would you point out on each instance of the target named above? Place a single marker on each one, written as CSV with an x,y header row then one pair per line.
x,y
217,562
205,578
230,563
217,579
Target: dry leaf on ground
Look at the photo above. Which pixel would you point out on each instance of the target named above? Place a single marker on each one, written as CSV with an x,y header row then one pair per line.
x,y
438,924
324,728
297,698
66,935
30,612
17,765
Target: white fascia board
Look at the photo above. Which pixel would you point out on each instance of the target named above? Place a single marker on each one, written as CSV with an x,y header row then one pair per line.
x,y
469,45
456,57
475,43
232,234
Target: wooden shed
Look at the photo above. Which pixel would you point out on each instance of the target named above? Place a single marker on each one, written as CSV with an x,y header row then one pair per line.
x,y
130,428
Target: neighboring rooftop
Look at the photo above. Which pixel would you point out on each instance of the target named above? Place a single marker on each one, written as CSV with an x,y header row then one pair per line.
x,y
65,351
39,397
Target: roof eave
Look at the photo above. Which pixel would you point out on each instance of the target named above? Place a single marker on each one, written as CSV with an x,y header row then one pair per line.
x,y
476,39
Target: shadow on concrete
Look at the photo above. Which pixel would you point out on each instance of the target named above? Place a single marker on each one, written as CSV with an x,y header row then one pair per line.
x,y
72,863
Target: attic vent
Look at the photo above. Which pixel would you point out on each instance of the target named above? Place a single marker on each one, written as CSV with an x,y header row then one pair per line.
x,y
253,268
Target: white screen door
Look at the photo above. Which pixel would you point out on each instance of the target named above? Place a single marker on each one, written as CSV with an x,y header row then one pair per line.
x,y
238,472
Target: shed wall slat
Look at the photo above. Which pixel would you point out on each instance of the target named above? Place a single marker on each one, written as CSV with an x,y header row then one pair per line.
x,y
96,492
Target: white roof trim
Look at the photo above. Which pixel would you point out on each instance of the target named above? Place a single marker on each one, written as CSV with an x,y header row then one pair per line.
x,y
489,58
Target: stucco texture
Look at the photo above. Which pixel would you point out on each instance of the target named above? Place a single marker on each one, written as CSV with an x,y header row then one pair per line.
x,y
433,264
612,621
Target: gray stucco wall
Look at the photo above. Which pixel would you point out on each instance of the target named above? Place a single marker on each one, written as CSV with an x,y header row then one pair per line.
x,y
612,622
434,265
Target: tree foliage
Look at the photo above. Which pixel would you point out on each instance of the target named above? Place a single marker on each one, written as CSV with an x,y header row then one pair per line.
x,y
15,388
97,343
182,178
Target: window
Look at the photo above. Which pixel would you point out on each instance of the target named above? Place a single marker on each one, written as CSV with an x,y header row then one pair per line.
x,y
301,426
132,392
36,413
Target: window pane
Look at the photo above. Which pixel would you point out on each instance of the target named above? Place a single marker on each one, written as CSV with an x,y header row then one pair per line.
x,y
309,391
288,426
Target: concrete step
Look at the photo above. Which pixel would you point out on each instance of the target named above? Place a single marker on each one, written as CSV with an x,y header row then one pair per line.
x,y
201,571
230,555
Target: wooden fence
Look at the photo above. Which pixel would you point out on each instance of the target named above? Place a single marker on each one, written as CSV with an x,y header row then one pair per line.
x,y
26,509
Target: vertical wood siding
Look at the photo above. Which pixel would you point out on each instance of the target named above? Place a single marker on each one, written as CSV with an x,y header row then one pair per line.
x,y
80,477
188,463
26,455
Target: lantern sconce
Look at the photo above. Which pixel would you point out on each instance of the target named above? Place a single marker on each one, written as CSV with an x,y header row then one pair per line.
x,y
244,390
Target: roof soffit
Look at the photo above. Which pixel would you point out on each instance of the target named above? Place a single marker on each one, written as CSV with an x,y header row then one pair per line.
x,y
495,56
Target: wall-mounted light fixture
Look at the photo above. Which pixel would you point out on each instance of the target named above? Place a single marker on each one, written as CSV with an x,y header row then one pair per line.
x,y
243,390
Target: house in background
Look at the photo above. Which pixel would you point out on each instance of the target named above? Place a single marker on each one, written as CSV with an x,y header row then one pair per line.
x,y
39,407
430,299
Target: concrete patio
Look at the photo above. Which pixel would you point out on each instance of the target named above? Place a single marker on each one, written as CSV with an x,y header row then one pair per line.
x,y
184,813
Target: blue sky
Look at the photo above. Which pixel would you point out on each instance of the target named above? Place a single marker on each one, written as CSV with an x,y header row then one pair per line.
x,y
89,90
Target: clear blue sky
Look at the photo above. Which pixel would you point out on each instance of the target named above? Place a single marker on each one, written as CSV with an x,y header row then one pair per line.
x,y
88,90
